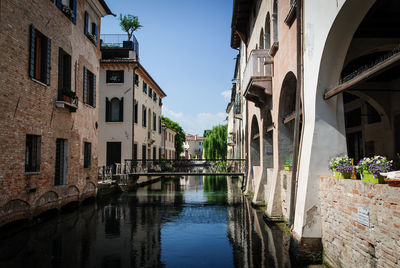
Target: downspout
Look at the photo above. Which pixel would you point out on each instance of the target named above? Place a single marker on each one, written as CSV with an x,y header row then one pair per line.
x,y
133,110
293,188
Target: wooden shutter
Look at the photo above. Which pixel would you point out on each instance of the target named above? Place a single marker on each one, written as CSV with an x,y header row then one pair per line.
x,y
121,110
59,4
67,70
48,61
32,52
93,95
84,85
95,33
74,11
108,110
86,22
65,162
60,73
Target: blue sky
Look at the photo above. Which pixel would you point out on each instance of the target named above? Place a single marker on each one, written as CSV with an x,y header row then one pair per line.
x,y
185,46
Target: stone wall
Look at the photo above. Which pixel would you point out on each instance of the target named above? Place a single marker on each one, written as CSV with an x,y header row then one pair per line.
x,y
350,241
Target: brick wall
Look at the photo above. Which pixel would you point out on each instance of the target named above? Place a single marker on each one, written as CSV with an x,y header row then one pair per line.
x,y
346,241
28,107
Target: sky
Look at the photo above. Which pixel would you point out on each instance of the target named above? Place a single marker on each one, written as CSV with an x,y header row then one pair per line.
x,y
185,46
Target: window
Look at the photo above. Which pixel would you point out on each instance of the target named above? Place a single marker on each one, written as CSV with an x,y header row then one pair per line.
x,y
115,110
150,92
159,101
61,166
89,87
68,7
136,110
114,76
64,73
136,80
159,124
90,28
87,155
32,153
40,56
154,153
144,117
144,87
135,151
154,96
144,152
154,122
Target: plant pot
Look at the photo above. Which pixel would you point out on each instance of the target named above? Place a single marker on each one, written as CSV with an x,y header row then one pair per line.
x,y
287,168
127,44
393,182
342,175
67,99
371,178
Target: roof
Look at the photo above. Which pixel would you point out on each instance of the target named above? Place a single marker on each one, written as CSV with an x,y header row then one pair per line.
x,y
106,8
240,20
158,88
190,137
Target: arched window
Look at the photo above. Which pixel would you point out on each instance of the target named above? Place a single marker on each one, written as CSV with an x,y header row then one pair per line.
x,y
262,39
114,110
275,20
267,27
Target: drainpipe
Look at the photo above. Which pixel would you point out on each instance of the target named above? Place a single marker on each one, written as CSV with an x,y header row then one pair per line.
x,y
135,66
293,188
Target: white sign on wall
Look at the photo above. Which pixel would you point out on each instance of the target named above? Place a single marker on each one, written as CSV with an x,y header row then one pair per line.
x,y
363,216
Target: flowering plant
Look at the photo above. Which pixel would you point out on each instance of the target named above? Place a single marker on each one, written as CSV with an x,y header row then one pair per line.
x,y
374,165
341,164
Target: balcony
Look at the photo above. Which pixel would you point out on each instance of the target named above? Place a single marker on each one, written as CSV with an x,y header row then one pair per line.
x,y
231,139
67,102
151,137
117,44
257,78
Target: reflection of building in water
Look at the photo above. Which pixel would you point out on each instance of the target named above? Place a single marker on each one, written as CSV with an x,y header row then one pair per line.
x,y
255,244
191,182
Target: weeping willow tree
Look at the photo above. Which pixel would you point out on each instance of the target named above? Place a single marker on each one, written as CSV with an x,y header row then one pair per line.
x,y
214,145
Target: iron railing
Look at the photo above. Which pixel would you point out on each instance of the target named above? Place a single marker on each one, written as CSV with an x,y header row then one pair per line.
x,y
119,40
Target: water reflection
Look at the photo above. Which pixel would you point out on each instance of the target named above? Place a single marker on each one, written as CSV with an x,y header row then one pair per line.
x,y
187,222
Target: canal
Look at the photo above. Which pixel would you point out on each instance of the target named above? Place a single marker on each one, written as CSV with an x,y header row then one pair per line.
x,y
187,222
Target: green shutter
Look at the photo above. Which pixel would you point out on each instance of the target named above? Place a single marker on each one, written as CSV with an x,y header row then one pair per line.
x,y
32,52
84,85
74,11
121,110
86,23
60,73
93,95
48,61
108,117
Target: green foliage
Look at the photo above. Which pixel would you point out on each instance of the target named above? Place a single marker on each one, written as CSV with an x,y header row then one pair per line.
x,y
179,137
129,23
215,143
288,161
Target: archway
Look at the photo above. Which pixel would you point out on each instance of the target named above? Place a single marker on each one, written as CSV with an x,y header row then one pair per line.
x,y
262,44
255,143
287,105
275,20
267,28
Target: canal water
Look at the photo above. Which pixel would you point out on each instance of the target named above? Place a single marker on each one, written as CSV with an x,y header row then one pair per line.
x,y
186,222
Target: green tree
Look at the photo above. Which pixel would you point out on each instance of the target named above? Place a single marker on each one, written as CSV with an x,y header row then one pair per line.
x,y
129,23
179,136
214,145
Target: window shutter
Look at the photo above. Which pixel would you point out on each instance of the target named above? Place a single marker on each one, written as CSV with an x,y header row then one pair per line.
x,y
108,110
32,52
59,4
84,85
74,11
67,70
65,162
121,110
86,22
95,33
48,61
94,90
60,73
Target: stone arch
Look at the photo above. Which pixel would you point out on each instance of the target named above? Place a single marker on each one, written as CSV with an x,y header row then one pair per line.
x,y
71,191
324,131
267,27
287,106
17,207
89,188
46,198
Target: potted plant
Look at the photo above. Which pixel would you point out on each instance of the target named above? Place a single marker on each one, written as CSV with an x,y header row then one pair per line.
x,y
68,11
92,37
68,95
129,24
288,163
341,167
370,168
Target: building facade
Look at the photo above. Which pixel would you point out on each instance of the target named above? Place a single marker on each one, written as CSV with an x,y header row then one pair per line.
x,y
192,147
319,81
49,73
130,107
168,150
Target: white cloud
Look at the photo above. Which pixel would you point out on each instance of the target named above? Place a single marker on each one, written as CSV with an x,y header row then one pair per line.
x,y
226,94
169,113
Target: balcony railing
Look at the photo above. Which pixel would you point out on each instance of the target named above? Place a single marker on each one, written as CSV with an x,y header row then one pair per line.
x,y
119,41
258,65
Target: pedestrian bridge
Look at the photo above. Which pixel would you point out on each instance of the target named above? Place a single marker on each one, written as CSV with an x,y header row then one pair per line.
x,y
175,167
